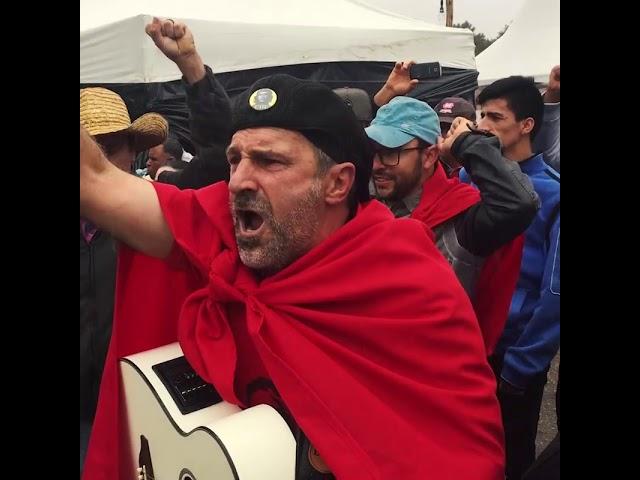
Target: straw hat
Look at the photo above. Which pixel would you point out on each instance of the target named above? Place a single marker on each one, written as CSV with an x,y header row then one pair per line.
x,y
103,111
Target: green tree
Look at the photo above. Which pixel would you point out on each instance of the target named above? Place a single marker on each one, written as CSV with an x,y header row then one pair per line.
x,y
501,32
480,39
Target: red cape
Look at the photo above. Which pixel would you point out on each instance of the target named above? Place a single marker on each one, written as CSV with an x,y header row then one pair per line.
x,y
369,339
442,199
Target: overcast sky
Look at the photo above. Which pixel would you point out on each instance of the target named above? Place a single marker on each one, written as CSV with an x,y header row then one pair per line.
x,y
488,16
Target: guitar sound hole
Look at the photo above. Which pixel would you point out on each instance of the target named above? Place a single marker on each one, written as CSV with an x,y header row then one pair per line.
x,y
185,474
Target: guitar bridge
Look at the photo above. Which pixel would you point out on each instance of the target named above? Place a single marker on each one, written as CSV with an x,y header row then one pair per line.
x,y
188,390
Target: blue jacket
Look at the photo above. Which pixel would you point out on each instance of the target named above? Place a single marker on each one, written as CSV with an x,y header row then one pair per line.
x,y
531,337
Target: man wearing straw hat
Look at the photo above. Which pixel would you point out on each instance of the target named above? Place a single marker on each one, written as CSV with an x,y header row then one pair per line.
x,y
105,117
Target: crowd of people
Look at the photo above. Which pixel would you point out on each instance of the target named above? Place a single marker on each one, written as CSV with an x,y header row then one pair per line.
x,y
384,274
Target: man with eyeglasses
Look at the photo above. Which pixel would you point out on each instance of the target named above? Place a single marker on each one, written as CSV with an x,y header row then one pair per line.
x,y
478,231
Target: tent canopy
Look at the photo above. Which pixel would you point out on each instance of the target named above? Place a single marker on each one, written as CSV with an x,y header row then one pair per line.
x,y
530,47
249,34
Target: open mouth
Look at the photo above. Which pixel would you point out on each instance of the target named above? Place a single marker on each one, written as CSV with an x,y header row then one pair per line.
x,y
249,222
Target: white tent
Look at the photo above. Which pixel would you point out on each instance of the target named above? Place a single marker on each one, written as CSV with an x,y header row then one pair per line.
x,y
530,47
245,34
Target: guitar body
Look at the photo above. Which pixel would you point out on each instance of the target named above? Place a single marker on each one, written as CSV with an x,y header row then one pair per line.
x,y
178,428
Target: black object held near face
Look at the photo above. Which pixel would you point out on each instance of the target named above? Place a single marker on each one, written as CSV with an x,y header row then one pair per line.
x,y
422,71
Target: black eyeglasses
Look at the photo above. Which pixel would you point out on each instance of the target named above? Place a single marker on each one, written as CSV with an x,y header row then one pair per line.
x,y
391,158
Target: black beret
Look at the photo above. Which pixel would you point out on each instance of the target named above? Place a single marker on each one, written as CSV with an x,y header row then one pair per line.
x,y
315,111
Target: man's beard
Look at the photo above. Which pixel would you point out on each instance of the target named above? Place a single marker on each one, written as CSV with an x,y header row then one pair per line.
x,y
401,186
284,240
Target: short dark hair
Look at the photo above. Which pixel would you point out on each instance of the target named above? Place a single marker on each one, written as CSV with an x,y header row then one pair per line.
x,y
522,97
325,162
173,148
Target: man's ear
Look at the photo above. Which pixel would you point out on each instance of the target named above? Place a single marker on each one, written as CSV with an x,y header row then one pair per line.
x,y
429,157
338,182
527,125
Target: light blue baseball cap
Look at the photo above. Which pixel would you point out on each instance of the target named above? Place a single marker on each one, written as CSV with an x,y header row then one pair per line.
x,y
403,119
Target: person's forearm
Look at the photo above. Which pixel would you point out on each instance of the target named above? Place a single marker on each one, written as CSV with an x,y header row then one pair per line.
x,y
551,96
192,67
509,201
121,203
209,113
547,140
210,123
384,96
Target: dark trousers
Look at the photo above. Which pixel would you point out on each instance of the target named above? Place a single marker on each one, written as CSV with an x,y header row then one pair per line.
x,y
547,465
85,432
520,415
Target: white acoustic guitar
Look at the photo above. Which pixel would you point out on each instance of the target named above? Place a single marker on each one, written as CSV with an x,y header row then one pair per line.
x,y
180,429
